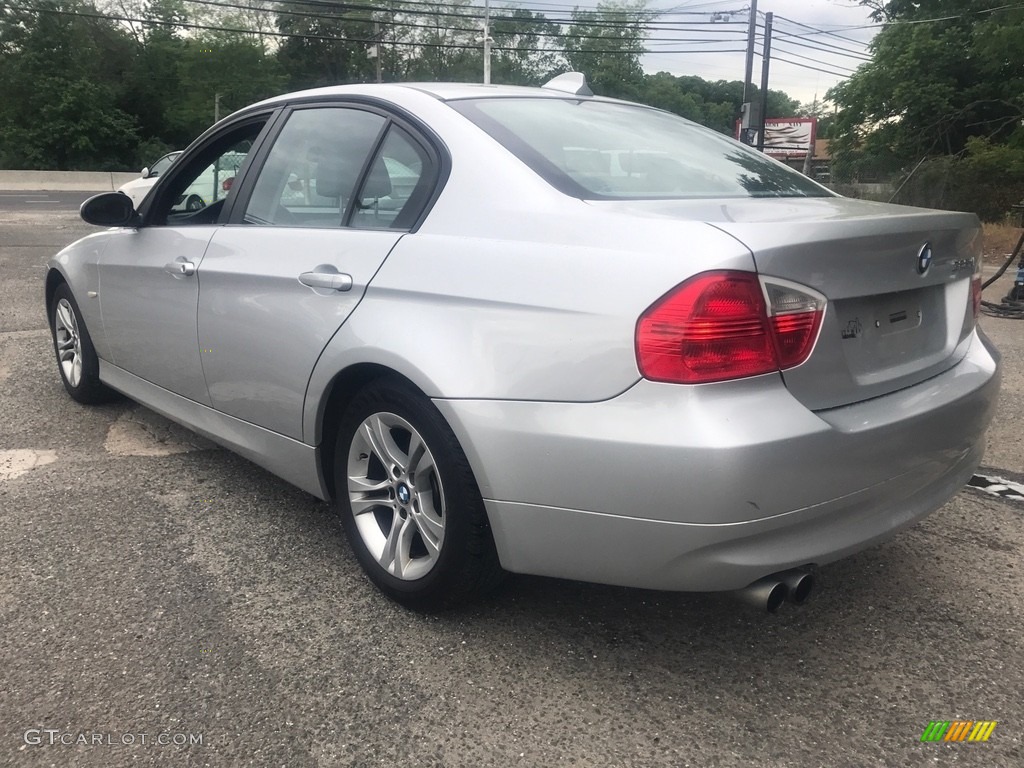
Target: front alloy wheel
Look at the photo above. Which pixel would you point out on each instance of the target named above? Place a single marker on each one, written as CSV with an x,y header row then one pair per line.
x,y
77,362
68,342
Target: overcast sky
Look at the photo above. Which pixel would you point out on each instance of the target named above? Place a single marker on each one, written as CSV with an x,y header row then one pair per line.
x,y
691,19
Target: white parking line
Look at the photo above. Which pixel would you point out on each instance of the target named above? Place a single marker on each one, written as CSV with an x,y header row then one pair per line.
x,y
997,486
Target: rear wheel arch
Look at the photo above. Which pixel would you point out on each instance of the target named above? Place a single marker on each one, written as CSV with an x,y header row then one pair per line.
x,y
341,391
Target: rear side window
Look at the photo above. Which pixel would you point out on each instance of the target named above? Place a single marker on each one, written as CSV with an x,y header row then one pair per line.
x,y
311,172
396,186
602,150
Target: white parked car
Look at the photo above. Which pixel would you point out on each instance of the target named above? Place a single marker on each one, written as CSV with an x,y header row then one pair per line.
x,y
209,187
137,189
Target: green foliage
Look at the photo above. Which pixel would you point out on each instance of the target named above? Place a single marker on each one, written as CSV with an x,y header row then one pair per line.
x,y
607,44
714,104
944,74
987,179
334,50
116,86
61,106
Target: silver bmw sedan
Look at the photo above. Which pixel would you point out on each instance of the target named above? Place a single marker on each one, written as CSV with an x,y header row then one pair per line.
x,y
532,330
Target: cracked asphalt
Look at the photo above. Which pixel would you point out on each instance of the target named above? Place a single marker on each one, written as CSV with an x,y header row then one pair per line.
x,y
154,587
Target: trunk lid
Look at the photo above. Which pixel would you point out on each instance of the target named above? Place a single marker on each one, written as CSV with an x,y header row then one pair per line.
x,y
888,324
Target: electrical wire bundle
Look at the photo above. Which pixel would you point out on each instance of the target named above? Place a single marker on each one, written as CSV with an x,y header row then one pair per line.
x,y
1012,305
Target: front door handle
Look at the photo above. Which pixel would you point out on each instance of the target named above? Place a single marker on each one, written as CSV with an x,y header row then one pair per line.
x,y
332,281
180,267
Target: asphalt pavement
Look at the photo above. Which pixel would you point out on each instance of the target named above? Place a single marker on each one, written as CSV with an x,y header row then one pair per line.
x,y
155,588
42,201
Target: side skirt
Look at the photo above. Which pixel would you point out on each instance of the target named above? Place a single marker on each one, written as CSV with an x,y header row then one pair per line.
x,y
289,459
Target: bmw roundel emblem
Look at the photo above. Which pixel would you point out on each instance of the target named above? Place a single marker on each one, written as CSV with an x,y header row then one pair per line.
x,y
924,259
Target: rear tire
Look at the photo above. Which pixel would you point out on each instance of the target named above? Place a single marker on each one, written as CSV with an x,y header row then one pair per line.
x,y
77,363
408,501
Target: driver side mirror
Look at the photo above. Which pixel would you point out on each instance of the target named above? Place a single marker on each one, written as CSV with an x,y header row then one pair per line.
x,y
109,209
145,172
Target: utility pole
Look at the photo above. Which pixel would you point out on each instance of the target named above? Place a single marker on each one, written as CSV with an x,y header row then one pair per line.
x,y
376,48
487,42
216,107
766,57
745,119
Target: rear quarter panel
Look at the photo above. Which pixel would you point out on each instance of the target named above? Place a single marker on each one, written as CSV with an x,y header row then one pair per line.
x,y
548,314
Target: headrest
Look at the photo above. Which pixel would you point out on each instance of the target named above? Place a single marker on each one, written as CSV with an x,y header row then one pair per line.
x,y
334,177
378,182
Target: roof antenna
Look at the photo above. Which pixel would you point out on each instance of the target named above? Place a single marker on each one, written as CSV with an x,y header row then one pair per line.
x,y
570,82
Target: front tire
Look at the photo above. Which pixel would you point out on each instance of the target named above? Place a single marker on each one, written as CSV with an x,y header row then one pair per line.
x,y
408,501
77,362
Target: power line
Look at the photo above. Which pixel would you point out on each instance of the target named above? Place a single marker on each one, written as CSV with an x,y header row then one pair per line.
x,y
832,51
899,22
817,31
331,38
816,61
808,66
412,25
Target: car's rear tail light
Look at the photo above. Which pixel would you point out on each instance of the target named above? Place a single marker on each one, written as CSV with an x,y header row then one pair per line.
x,y
795,316
727,325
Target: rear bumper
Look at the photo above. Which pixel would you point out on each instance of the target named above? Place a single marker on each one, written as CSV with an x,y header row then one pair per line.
x,y
712,487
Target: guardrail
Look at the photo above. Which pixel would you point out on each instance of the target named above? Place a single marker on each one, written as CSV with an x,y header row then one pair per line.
x,y
73,181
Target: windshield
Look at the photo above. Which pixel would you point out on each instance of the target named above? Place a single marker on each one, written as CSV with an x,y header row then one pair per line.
x,y
602,150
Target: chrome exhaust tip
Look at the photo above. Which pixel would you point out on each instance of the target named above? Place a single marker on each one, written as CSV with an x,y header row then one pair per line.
x,y
799,585
768,593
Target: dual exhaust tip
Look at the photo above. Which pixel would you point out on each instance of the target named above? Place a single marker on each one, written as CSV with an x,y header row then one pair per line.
x,y
772,591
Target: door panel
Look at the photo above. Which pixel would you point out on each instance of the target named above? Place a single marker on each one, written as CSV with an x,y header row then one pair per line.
x,y
267,309
149,305
149,286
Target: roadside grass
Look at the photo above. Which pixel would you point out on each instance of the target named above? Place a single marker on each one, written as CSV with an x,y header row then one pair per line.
x,y
999,239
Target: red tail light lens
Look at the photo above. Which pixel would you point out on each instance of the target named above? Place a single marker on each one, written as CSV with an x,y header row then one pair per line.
x,y
716,326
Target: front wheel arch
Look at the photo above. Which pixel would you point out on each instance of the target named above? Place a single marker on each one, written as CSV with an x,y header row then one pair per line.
x,y
54,279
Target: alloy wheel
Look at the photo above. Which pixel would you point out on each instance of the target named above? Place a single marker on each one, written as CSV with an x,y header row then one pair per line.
x,y
69,342
396,495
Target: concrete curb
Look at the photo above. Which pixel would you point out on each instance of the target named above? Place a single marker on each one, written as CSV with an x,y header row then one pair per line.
x,y
63,181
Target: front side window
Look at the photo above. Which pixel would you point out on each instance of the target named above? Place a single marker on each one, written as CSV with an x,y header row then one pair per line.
x,y
196,194
310,175
601,150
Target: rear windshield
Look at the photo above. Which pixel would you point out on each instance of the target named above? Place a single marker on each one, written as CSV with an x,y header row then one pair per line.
x,y
601,150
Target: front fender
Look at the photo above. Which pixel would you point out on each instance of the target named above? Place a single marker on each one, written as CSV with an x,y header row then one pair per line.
x,y
78,266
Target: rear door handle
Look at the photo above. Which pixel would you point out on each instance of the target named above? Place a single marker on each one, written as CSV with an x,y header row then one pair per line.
x,y
180,267
331,281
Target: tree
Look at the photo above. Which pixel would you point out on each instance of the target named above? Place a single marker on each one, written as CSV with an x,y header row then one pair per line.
x,y
606,44
326,47
942,71
61,70
715,104
524,48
